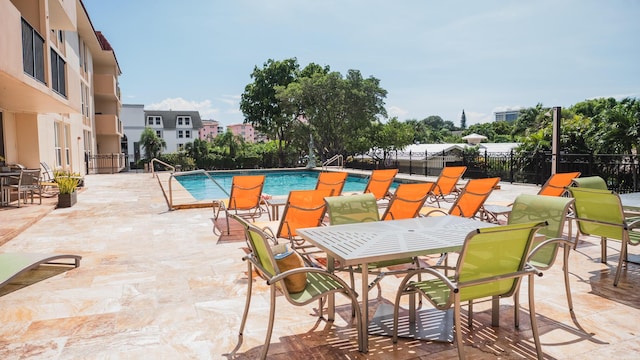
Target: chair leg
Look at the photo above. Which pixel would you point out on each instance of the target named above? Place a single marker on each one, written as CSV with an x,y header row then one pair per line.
x,y
532,315
272,313
623,257
457,326
516,308
565,269
248,300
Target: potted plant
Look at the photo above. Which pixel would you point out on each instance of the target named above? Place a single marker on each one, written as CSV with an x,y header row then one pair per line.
x,y
67,194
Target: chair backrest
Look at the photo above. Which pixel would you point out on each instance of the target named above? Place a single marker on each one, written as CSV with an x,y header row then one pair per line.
x,y
304,208
47,174
380,182
332,180
245,192
601,210
590,182
407,201
557,184
351,209
29,177
448,179
261,249
552,209
473,196
490,252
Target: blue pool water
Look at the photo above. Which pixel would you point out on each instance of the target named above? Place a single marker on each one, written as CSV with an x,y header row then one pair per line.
x,y
276,183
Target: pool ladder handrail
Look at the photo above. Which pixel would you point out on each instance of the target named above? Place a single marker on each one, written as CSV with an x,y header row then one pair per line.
x,y
337,157
155,160
192,172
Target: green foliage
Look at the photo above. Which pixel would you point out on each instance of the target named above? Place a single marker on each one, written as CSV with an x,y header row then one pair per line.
x,y
67,182
178,158
152,144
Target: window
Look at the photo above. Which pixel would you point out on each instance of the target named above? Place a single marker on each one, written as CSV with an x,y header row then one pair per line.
x,y
57,148
154,120
67,142
184,120
180,146
180,134
159,133
58,76
32,52
187,133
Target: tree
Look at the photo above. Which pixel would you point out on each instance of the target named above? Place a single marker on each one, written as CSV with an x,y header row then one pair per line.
x,y
198,150
463,120
260,106
339,111
151,143
394,135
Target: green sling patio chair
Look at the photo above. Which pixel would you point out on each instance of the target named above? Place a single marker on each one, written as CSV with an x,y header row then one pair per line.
x,y
553,210
14,264
492,263
590,182
352,209
600,213
318,284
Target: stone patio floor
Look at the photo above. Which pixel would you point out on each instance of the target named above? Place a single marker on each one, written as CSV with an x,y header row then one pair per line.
x,y
158,284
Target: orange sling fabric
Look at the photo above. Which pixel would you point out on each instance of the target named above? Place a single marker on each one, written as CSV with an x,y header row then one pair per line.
x,y
332,181
473,196
245,192
407,201
305,208
448,179
557,183
380,182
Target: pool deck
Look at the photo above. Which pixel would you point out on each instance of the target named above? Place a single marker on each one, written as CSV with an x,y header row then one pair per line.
x,y
160,284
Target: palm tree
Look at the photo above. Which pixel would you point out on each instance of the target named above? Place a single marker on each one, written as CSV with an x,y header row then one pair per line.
x,y
151,143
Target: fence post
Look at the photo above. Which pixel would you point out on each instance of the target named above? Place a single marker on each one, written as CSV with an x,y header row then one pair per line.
x,y
410,163
511,165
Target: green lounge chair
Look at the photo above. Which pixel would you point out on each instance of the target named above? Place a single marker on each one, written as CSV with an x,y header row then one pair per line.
x,y
319,284
553,210
492,263
600,213
15,264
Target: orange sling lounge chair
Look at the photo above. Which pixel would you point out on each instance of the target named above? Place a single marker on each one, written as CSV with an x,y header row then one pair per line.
x,y
407,201
244,200
379,183
556,185
332,181
446,184
304,209
471,199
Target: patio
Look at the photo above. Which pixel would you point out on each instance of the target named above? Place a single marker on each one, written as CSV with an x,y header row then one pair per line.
x,y
155,283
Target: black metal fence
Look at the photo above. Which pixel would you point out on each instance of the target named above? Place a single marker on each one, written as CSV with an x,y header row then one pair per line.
x,y
621,172
105,163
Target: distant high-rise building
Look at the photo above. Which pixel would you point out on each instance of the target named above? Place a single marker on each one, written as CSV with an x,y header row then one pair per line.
x,y
244,130
507,115
210,129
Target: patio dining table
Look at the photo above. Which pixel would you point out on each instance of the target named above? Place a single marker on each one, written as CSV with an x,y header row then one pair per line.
x,y
365,243
4,193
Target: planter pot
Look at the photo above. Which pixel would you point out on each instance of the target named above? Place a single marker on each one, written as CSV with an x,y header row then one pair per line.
x,y
67,200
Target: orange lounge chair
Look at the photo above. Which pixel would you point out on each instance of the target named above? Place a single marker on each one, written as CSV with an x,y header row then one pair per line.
x,y
379,183
446,184
556,185
244,199
407,201
471,198
332,181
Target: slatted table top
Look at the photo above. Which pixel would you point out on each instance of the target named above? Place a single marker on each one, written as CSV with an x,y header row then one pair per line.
x,y
368,242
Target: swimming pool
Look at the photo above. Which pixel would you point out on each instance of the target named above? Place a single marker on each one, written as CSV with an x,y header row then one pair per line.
x,y
277,182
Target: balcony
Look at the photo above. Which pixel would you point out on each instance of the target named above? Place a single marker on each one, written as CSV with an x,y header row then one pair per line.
x,y
108,124
62,15
25,85
105,86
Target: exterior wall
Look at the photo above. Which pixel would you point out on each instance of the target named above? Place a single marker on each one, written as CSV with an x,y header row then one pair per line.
x,y
210,129
133,122
244,130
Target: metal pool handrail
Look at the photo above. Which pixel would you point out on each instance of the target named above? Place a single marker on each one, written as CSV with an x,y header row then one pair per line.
x,y
335,158
192,172
154,160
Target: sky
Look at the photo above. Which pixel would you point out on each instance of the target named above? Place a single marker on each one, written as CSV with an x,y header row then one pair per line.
x,y
432,57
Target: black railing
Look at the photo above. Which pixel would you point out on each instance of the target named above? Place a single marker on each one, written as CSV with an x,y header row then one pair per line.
x,y
32,52
621,172
105,163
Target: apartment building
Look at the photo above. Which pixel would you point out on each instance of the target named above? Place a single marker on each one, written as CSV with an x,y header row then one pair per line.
x,y
210,129
59,93
244,130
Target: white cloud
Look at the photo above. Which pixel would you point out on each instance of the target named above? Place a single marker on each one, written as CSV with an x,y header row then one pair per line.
x,y
396,111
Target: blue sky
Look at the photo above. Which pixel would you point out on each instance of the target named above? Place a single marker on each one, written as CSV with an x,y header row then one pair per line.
x,y
433,57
